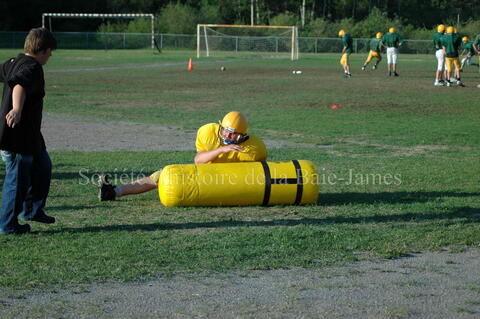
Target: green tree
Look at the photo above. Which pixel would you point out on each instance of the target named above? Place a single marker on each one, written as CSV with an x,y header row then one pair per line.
x,y
178,19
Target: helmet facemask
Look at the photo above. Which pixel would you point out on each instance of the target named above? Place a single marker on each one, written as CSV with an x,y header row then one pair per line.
x,y
238,138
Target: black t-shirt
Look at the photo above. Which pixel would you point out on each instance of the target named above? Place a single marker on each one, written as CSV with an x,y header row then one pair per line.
x,y
26,137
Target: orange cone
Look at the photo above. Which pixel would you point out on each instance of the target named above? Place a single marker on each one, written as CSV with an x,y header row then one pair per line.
x,y
190,65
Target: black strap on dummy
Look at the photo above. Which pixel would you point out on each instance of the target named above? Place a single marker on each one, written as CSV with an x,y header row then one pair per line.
x,y
283,181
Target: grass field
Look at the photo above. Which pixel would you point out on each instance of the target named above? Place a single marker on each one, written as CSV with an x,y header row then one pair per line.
x,y
399,166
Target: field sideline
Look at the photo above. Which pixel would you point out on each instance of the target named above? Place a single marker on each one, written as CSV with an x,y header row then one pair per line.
x,y
399,163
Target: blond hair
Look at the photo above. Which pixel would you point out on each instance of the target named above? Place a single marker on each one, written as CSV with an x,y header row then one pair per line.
x,y
39,40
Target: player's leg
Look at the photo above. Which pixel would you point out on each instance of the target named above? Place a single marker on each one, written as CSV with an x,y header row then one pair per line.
x,y
448,63
389,60
379,59
394,61
111,192
457,72
367,61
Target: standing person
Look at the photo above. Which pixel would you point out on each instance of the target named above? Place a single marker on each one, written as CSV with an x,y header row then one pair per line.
x,y
392,41
476,46
450,47
375,49
225,142
469,52
439,54
28,166
347,43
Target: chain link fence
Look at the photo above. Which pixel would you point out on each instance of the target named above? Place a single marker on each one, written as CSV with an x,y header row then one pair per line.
x,y
111,41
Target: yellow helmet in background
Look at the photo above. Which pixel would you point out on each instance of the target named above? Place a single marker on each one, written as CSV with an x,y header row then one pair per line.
x,y
391,30
450,29
341,33
441,28
465,39
235,122
379,35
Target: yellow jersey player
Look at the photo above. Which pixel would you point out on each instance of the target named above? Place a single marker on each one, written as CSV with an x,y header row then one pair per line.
x,y
375,49
225,142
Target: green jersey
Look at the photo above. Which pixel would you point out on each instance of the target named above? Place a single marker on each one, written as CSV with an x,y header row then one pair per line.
x,y
451,45
477,42
375,45
392,40
468,46
437,40
347,41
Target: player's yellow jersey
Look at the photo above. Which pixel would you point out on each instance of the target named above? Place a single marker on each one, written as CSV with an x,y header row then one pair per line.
x,y
207,140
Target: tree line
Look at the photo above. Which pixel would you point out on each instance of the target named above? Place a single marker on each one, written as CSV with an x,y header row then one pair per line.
x,y
415,19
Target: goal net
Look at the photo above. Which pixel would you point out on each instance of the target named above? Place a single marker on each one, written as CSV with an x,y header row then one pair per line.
x,y
247,40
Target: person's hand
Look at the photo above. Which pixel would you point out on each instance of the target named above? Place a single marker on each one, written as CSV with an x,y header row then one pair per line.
x,y
13,118
231,148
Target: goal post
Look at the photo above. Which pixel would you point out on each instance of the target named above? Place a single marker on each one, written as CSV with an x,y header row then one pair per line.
x,y
150,16
210,40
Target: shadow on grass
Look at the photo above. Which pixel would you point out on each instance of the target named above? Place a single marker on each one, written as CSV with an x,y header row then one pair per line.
x,y
333,199
467,214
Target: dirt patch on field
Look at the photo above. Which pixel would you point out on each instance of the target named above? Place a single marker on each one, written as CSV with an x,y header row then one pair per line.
x,y
429,285
76,133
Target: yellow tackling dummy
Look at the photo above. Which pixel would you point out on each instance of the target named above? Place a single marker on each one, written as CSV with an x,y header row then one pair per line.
x,y
239,184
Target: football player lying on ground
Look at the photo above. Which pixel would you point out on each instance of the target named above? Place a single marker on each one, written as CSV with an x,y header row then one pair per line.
x,y
226,142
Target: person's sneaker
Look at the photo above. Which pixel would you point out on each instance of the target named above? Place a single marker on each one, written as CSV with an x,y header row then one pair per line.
x,y
460,83
374,67
345,75
478,86
438,83
107,190
349,75
20,229
42,218
395,74
363,68
453,80
449,83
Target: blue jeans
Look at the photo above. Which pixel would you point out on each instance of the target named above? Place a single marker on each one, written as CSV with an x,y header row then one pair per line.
x,y
25,188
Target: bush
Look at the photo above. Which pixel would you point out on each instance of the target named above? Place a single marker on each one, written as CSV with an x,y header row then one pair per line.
x,y
139,26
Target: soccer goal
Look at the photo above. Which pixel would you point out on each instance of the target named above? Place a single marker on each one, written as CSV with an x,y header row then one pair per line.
x,y
257,40
103,16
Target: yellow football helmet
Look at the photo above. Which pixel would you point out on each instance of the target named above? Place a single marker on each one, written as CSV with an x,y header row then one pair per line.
x,y
341,33
450,29
441,28
235,122
391,30
465,39
379,35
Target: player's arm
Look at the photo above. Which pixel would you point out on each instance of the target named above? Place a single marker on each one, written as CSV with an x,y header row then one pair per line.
x,y
203,157
18,99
